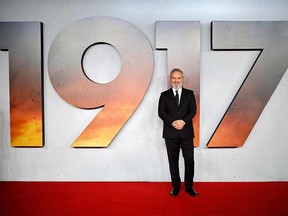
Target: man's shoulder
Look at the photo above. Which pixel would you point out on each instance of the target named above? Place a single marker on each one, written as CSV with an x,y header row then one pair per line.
x,y
166,92
187,90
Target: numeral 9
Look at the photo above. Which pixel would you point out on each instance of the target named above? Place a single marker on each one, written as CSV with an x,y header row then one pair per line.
x,y
120,97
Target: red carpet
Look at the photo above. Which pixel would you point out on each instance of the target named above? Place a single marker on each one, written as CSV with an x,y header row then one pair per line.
x,y
141,198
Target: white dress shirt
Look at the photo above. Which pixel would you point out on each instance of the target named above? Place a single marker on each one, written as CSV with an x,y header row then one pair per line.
x,y
179,92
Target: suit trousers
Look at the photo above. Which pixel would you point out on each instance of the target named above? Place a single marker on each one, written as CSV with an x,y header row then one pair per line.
x,y
173,147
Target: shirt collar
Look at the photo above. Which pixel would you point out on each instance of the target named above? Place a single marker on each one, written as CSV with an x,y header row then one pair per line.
x,y
179,90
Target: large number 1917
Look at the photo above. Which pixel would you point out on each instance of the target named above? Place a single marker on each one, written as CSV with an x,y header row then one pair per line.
x,y
120,97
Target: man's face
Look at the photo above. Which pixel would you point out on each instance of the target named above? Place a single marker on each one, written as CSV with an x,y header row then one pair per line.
x,y
176,79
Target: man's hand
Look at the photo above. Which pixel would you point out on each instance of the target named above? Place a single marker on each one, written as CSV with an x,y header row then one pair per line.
x,y
178,124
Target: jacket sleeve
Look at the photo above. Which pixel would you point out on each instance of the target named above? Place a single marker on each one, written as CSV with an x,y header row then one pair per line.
x,y
162,111
192,109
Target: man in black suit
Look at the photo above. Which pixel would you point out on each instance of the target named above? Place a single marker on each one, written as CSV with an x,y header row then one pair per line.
x,y
177,107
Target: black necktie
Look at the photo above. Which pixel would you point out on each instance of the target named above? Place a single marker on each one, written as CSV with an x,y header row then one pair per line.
x,y
177,98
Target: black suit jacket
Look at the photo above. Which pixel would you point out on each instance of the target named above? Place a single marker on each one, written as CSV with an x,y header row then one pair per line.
x,y
168,111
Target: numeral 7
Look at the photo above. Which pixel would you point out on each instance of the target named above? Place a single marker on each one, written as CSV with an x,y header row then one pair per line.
x,y
271,39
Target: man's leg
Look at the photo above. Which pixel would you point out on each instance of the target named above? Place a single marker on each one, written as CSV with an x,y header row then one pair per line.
x,y
173,150
188,154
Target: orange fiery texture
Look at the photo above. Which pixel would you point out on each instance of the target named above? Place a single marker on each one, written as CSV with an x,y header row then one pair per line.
x,y
234,128
102,130
26,119
27,134
196,126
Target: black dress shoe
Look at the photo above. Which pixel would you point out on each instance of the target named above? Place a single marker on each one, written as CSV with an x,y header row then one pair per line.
x,y
174,193
191,191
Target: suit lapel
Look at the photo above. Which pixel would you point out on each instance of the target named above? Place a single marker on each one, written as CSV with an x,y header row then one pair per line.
x,y
172,97
183,95
182,98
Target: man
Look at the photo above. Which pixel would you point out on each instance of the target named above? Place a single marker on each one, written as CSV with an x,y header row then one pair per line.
x,y
176,108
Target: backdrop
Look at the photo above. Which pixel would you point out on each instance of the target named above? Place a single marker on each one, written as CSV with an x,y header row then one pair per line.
x,y
138,152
